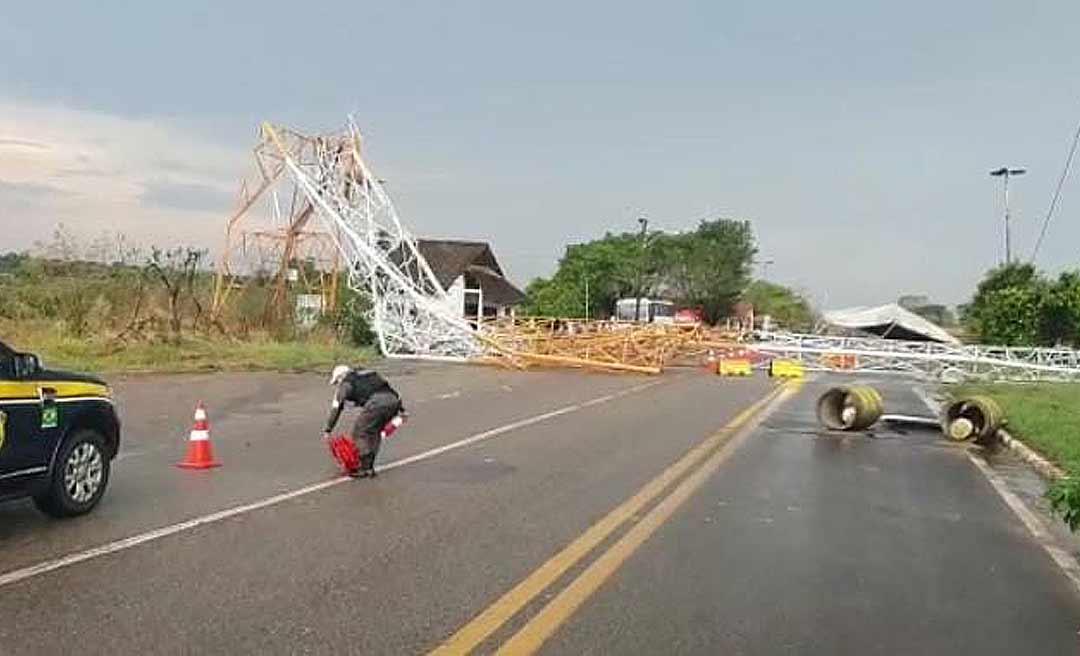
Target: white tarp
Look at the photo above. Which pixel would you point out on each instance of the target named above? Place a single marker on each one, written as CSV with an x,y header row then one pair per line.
x,y
889,321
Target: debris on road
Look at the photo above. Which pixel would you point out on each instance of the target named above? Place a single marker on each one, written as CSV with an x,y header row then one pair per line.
x,y
853,408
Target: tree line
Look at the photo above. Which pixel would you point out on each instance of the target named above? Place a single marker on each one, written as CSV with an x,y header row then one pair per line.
x,y
708,268
1017,305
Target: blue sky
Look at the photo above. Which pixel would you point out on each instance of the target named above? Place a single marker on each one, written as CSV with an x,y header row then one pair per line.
x,y
855,136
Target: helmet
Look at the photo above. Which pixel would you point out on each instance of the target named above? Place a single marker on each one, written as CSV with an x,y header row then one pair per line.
x,y
338,374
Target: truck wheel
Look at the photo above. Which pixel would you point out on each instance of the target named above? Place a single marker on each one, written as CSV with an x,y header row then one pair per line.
x,y
79,476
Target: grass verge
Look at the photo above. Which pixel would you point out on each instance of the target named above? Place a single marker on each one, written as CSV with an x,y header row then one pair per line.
x,y
1045,416
190,354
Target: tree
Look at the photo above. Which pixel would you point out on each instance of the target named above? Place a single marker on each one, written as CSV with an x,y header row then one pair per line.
x,y
996,279
1015,305
554,298
12,263
786,307
1006,306
65,245
1010,316
610,265
708,267
177,270
1059,311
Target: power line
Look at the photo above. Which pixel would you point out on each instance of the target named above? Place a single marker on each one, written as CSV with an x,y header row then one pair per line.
x,y
1057,194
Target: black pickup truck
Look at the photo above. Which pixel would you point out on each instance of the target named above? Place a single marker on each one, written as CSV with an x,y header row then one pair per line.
x,y
59,433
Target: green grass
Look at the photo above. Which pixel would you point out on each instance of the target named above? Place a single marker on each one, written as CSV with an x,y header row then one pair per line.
x,y
189,355
1045,416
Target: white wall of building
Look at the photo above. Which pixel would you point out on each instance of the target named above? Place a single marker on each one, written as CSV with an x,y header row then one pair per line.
x,y
456,296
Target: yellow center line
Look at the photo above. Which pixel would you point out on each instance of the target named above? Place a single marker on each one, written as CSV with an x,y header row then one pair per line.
x,y
486,623
542,626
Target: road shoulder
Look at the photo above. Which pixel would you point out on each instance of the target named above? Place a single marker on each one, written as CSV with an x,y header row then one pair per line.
x,y
1022,486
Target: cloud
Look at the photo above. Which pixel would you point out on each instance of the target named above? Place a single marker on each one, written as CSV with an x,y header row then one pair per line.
x,y
27,191
23,143
188,197
154,181
23,200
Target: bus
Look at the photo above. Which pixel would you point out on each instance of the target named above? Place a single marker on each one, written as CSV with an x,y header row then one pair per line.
x,y
652,310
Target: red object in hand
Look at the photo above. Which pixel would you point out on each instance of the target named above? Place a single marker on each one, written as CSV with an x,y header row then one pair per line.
x,y
344,451
393,425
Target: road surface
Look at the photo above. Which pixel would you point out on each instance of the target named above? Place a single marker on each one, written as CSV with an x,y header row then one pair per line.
x,y
548,511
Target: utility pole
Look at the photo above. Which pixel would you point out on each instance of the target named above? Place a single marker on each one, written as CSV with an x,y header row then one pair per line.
x,y
586,297
1005,173
641,270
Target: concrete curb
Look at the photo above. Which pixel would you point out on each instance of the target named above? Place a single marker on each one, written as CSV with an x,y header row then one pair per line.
x,y
1043,467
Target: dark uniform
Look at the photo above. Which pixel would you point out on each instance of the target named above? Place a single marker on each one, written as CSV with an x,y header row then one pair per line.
x,y
380,404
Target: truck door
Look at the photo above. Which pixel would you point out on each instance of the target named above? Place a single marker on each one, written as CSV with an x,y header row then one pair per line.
x,y
22,449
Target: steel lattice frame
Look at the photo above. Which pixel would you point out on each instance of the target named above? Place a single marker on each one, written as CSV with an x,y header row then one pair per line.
x,y
411,313
923,359
268,234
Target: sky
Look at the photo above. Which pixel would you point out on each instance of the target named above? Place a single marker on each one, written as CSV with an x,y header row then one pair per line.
x,y
856,137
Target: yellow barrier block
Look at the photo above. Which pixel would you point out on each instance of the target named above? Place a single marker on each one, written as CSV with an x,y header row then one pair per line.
x,y
735,367
786,369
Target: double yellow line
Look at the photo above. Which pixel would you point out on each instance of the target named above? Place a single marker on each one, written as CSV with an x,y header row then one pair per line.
x,y
709,455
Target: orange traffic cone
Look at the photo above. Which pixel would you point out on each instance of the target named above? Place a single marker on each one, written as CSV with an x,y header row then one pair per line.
x,y
200,454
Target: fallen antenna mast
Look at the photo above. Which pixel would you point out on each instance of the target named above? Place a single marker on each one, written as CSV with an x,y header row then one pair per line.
x,y
932,360
411,313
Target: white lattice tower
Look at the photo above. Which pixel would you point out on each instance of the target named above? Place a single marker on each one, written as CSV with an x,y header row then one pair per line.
x,y
930,360
411,313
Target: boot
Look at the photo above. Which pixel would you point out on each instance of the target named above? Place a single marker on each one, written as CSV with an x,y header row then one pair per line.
x,y
367,466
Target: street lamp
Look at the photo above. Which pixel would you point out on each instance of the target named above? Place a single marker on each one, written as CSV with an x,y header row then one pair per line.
x,y
1005,173
641,270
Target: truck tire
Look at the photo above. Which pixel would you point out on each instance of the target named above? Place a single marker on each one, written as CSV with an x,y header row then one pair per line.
x,y
79,477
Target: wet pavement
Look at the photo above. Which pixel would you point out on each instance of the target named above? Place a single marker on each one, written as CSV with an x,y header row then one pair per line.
x,y
798,541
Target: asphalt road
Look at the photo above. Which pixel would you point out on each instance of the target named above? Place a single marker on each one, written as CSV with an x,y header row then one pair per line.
x,y
616,514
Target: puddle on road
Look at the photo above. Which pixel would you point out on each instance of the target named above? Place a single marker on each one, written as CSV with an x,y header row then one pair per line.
x,y
815,431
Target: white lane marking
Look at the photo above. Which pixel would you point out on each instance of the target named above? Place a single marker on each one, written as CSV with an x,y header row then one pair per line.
x,y
1029,519
54,564
1034,525
598,401
450,395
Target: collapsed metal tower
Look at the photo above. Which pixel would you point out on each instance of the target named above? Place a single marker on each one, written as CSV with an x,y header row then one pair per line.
x,y
413,315
411,312
932,360
272,243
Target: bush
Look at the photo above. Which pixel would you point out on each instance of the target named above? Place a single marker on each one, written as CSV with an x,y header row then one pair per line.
x,y
1015,305
786,307
351,321
1064,496
1011,317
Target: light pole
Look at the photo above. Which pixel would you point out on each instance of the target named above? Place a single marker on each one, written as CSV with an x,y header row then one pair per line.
x,y
641,270
1005,173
